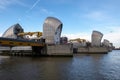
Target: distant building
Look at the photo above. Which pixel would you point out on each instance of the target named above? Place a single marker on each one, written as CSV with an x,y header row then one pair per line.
x,y
12,31
96,38
78,42
52,29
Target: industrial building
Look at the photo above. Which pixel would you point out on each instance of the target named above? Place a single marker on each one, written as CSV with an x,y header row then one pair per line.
x,y
52,29
49,42
96,38
95,46
45,43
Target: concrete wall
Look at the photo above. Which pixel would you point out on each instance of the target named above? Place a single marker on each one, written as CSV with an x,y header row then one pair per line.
x,y
22,48
92,50
98,49
83,49
21,51
64,49
4,48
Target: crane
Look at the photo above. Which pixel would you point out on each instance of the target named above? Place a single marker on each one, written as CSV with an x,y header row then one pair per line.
x,y
78,40
39,34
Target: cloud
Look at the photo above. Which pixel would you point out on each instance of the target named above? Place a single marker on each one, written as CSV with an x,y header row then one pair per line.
x,y
97,15
113,35
46,11
0,34
86,36
37,1
35,4
60,1
6,3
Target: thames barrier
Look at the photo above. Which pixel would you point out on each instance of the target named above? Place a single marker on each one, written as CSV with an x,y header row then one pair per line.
x,y
49,42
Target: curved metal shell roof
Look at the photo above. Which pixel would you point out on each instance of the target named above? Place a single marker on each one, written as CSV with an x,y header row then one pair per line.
x,y
51,27
12,31
96,38
97,32
52,21
106,43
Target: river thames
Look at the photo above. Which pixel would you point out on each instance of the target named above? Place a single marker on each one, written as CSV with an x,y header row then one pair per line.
x,y
78,67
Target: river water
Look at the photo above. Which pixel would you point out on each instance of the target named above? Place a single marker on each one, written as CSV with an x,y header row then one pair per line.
x,y
78,67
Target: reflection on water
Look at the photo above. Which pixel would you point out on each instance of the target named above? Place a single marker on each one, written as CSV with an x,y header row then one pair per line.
x,y
79,67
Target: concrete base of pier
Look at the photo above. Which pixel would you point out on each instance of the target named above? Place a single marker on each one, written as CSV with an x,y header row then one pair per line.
x,y
59,50
92,50
21,51
48,50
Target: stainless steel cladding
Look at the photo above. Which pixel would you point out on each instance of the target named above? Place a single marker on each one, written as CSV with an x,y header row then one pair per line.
x,y
106,43
52,29
96,38
12,31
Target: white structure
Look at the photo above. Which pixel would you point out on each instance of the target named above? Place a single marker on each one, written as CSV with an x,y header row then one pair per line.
x,y
76,44
52,28
96,38
12,31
